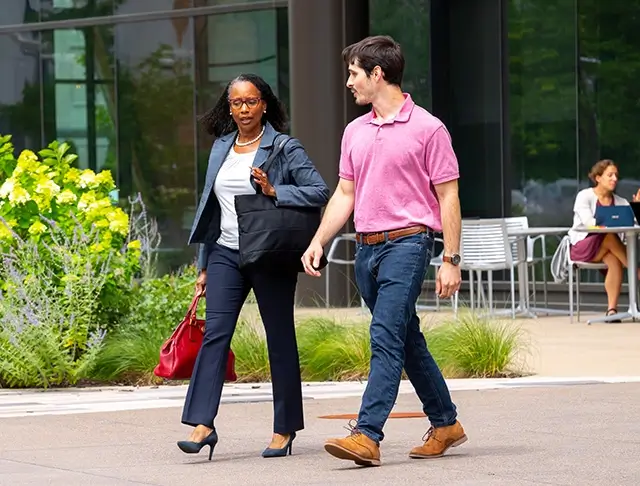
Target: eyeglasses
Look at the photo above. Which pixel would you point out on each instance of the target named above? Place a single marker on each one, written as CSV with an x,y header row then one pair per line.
x,y
238,102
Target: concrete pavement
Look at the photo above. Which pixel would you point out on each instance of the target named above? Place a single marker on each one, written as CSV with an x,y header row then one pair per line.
x,y
561,348
576,434
31,403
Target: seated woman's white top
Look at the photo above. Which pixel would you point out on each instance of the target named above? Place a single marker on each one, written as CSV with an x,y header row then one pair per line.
x,y
584,211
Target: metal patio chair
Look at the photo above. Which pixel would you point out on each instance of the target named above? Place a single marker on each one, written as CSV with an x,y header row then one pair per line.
x,y
485,247
574,268
522,222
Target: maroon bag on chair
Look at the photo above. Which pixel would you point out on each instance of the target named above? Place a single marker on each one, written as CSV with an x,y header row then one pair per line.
x,y
178,354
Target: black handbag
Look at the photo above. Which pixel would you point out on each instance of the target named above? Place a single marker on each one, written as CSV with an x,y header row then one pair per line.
x,y
274,237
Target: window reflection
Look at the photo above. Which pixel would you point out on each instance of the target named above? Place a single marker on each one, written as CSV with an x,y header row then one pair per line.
x,y
231,44
139,6
574,100
50,10
609,91
78,92
65,71
408,22
19,11
542,79
552,147
20,89
156,126
207,3
126,96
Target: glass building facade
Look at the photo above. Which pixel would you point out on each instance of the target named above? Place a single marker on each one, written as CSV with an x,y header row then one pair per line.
x,y
533,92
573,100
124,81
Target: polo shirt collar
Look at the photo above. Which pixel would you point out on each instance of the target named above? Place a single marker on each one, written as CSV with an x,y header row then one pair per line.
x,y
404,113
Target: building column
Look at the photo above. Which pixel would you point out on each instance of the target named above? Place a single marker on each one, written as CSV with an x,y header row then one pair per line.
x,y
318,31
470,95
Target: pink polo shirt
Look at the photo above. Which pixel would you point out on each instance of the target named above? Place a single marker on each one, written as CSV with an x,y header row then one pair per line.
x,y
394,166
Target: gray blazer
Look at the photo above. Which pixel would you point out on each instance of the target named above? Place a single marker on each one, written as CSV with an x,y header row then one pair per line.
x,y
293,175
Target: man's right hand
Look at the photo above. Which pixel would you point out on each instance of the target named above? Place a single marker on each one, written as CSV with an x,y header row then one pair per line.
x,y
201,283
335,217
311,259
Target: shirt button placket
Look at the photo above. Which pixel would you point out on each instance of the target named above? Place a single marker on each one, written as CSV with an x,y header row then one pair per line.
x,y
377,141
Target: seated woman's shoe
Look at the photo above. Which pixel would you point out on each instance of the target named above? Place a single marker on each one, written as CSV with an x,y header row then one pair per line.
x,y
191,447
281,452
611,312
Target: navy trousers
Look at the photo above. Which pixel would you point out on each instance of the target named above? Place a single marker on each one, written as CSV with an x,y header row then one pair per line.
x,y
227,290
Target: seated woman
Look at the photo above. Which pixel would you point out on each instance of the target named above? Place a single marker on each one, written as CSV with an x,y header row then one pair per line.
x,y
600,247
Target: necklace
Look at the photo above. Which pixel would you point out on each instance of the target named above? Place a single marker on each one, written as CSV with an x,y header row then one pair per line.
x,y
244,144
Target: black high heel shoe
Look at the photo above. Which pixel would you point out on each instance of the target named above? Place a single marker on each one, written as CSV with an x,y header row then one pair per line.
x,y
191,447
269,452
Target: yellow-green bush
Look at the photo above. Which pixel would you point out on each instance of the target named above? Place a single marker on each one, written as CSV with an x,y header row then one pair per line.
x,y
68,265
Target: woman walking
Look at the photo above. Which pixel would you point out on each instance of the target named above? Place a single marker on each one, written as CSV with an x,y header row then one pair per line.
x,y
246,120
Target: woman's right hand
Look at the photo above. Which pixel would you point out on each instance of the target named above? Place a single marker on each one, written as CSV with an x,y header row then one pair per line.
x,y
201,283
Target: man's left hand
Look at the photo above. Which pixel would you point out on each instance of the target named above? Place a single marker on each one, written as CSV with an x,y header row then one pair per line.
x,y
448,280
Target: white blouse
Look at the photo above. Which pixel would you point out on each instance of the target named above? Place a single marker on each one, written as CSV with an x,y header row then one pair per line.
x,y
584,211
234,179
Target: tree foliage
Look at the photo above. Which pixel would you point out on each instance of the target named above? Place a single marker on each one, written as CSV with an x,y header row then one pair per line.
x,y
573,93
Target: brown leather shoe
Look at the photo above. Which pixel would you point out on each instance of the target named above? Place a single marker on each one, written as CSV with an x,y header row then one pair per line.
x,y
438,440
356,447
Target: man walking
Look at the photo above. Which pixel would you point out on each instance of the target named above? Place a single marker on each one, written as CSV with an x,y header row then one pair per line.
x,y
399,175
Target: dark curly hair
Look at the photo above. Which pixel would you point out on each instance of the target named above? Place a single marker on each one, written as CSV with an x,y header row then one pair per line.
x,y
218,121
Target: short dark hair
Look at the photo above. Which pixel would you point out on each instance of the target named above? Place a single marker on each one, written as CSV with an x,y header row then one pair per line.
x,y
377,50
218,121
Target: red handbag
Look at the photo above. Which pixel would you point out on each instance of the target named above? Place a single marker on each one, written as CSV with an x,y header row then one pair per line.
x,y
178,354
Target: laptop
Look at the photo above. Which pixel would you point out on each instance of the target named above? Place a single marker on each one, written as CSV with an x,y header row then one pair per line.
x,y
615,216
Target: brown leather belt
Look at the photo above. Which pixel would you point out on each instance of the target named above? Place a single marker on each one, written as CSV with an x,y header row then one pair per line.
x,y
375,238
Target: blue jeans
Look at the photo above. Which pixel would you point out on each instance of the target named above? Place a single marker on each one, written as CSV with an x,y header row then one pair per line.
x,y
389,276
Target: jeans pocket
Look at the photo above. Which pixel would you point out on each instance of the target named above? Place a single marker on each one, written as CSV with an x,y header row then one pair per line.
x,y
429,244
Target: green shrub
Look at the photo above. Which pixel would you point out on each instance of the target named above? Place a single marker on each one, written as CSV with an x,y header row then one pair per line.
x,y
330,351
476,347
158,306
48,335
128,357
250,348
